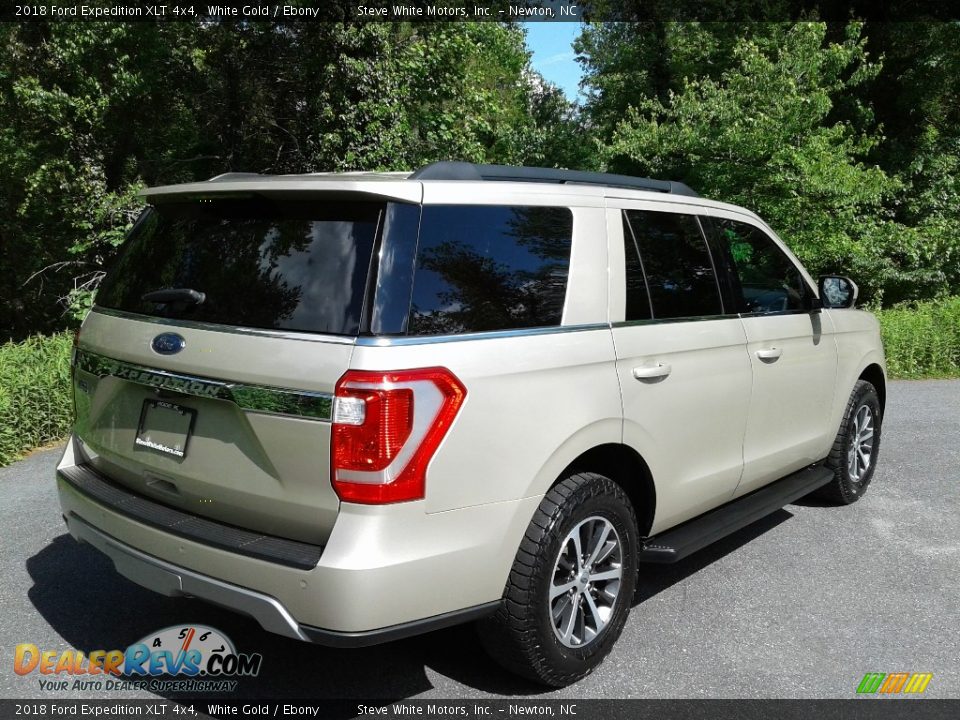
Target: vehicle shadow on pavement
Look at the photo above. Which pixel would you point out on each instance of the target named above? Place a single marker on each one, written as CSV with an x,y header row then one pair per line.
x,y
80,595
813,501
655,578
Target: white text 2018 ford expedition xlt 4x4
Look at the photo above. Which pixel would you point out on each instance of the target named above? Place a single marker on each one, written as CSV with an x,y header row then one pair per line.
x,y
360,406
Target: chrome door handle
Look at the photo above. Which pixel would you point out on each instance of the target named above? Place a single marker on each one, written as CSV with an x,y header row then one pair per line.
x,y
651,372
770,354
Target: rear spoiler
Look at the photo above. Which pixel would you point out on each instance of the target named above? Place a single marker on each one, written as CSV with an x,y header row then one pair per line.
x,y
331,186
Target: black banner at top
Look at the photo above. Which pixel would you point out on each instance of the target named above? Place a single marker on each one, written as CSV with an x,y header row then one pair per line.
x,y
480,11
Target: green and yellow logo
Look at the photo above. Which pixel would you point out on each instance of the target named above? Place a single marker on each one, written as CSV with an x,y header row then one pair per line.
x,y
893,683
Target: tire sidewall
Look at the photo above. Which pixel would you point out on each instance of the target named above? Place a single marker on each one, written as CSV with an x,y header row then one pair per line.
x,y
866,395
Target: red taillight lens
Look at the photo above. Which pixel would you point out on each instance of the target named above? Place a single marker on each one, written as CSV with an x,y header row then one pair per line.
x,y
386,428
388,418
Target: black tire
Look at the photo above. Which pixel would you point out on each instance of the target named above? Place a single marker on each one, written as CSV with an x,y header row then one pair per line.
x,y
848,486
521,635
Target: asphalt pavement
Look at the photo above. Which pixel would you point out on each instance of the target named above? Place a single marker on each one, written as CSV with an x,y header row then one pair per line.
x,y
799,605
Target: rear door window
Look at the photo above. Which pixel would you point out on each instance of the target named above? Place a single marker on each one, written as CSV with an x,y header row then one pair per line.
x,y
482,268
676,263
638,299
261,262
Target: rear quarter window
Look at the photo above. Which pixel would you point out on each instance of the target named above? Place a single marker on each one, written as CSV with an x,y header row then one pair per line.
x,y
484,268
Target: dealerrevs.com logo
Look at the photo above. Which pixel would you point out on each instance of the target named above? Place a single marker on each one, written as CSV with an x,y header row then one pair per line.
x,y
181,658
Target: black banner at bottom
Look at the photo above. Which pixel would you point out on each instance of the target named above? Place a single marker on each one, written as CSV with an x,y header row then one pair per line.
x,y
854,709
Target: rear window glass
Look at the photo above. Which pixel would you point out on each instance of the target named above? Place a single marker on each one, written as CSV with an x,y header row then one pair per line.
x,y
260,262
483,268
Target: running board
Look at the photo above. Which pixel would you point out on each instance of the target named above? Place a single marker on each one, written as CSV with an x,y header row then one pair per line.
x,y
683,540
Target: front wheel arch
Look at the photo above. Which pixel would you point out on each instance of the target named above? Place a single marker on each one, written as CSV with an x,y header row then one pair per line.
x,y
874,375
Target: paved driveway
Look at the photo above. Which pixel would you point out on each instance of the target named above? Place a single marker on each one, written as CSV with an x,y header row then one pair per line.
x,y
800,604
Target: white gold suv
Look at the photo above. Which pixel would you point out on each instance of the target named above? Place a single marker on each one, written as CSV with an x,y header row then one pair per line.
x,y
361,406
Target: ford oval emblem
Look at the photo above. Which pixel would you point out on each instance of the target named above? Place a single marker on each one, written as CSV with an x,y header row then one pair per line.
x,y
168,344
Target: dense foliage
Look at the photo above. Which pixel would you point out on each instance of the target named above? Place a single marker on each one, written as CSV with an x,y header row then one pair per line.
x,y
922,339
36,406
845,138
92,112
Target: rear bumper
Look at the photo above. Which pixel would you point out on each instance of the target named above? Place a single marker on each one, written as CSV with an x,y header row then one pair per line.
x,y
386,572
173,581
168,579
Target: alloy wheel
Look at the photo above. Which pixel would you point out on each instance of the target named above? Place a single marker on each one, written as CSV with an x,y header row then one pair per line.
x,y
586,582
860,452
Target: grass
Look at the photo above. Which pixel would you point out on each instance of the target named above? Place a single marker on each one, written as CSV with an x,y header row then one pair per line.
x,y
922,340
35,400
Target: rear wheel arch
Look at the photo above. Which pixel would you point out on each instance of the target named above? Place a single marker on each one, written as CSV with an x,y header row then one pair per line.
x,y
626,467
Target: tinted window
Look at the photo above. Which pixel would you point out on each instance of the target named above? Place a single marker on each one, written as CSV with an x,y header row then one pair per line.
x,y
676,263
394,271
262,263
638,301
765,280
490,268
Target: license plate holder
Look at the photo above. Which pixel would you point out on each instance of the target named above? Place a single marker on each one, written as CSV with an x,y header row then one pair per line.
x,y
165,428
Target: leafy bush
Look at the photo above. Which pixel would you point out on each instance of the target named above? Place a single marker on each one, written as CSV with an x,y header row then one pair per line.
x,y
35,397
922,339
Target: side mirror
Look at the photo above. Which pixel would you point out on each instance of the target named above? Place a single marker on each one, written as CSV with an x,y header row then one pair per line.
x,y
837,291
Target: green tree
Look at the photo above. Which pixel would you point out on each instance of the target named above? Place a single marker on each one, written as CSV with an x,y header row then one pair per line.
x,y
917,98
72,99
844,136
762,133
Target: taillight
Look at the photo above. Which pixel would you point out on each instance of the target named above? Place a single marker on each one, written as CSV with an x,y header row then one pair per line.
x,y
386,428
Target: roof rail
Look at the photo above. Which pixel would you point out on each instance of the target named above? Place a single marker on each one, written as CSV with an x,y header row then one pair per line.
x,y
448,170
227,176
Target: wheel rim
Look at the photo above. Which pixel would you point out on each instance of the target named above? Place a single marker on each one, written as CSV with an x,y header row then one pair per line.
x,y
860,452
586,582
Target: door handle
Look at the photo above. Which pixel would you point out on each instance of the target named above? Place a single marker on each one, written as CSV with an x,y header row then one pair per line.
x,y
652,372
770,354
